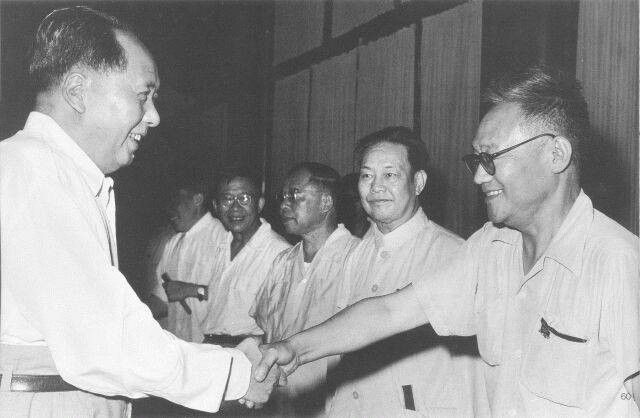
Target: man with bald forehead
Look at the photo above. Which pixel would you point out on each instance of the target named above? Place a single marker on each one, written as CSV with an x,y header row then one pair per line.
x,y
550,285
303,283
75,339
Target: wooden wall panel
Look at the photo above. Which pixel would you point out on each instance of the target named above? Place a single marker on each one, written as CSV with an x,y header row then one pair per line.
x,y
386,83
298,28
347,14
290,125
607,66
450,96
331,127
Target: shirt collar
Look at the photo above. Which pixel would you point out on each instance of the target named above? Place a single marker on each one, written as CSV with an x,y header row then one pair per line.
x,y
258,237
49,130
200,224
567,245
401,234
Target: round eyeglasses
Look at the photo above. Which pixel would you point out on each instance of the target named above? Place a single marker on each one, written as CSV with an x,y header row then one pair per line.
x,y
243,199
472,161
292,195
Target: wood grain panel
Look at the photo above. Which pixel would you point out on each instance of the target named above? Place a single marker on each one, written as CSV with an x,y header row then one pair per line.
x,y
298,28
607,66
386,83
290,125
331,125
347,14
450,96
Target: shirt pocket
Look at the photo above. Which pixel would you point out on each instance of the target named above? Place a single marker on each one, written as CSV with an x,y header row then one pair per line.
x,y
556,364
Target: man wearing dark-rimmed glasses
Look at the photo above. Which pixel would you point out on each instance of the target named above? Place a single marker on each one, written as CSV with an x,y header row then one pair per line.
x,y
242,259
549,286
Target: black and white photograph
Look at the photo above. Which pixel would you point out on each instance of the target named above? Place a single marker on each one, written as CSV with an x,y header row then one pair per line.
x,y
319,208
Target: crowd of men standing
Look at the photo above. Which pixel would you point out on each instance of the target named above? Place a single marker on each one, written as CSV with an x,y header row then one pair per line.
x,y
377,325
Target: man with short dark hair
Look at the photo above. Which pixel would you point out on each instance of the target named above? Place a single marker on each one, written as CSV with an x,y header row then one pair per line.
x,y
75,339
388,378
242,258
186,265
549,286
302,286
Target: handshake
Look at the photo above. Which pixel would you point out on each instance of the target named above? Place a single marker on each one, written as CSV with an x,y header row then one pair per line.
x,y
270,366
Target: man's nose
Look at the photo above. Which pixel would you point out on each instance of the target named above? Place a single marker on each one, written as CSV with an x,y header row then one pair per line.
x,y
481,176
151,115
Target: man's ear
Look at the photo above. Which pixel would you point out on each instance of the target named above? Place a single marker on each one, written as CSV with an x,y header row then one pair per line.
x,y
214,206
198,199
326,203
260,204
420,180
73,90
562,151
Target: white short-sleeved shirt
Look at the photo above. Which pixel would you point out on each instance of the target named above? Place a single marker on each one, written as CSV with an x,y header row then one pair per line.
x,y
437,373
190,257
299,295
234,283
584,288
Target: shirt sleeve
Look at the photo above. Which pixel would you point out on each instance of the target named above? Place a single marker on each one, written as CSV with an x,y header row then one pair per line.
x,y
447,294
102,338
620,320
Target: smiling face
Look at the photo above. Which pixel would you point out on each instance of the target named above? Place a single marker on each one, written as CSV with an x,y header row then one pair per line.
x,y
521,184
236,217
119,107
305,214
388,191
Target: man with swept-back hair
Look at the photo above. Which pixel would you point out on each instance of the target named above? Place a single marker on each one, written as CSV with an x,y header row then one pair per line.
x,y
550,286
75,339
301,289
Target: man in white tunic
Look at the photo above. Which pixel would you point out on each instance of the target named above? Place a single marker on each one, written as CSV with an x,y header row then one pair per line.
x,y
415,371
302,287
186,265
75,339
242,259
549,286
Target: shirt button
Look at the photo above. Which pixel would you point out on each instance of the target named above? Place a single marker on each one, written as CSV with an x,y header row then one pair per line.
x,y
355,395
374,288
518,354
385,254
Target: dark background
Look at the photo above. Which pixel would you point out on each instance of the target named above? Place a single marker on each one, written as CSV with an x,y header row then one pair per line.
x,y
215,58
208,53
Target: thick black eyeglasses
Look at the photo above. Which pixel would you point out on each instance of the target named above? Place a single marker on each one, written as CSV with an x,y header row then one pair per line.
x,y
473,160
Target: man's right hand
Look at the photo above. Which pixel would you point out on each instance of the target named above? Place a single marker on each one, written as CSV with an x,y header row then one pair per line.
x,y
177,291
281,353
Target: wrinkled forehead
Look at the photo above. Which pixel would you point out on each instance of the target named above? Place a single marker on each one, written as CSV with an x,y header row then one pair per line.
x,y
140,62
238,185
501,126
385,154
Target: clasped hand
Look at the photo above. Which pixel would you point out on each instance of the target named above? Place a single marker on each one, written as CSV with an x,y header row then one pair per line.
x,y
259,391
276,356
